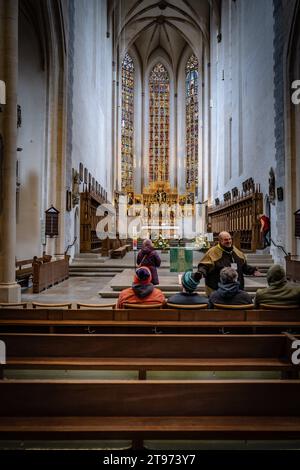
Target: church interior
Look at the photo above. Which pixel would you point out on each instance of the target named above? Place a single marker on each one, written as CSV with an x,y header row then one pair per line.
x,y
122,121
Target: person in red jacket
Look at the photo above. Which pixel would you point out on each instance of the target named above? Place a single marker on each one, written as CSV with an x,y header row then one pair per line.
x,y
264,228
142,290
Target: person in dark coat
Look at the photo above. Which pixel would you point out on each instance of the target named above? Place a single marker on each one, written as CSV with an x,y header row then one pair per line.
x,y
188,296
147,256
229,291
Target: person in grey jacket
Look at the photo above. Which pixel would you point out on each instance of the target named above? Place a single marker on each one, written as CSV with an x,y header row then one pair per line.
x,y
229,291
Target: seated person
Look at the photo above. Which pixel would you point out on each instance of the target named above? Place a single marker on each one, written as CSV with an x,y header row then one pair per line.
x,y
229,291
279,290
142,290
188,296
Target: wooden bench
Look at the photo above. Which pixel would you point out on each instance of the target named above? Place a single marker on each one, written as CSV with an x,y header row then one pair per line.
x,y
47,274
148,352
151,314
119,252
13,305
137,410
24,271
148,320
148,327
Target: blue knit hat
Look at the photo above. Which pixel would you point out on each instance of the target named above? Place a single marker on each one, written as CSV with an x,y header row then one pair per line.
x,y
188,281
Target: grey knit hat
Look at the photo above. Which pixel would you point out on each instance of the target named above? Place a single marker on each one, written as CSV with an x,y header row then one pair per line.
x,y
275,274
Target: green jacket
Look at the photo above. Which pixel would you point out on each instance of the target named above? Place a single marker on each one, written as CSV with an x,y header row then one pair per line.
x,y
283,294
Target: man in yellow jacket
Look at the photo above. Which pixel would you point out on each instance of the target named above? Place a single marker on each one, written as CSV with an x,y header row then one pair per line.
x,y
224,254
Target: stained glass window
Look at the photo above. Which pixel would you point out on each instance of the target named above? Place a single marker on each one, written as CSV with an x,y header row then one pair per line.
x,y
191,116
127,123
159,118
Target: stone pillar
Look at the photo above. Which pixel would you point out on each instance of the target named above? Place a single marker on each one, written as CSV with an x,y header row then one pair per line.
x,y
10,291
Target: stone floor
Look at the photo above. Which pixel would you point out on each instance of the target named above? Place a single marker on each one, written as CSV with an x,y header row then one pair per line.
x,y
87,289
74,289
170,282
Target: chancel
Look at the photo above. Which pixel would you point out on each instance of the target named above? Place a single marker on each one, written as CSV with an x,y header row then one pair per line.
x,y
141,145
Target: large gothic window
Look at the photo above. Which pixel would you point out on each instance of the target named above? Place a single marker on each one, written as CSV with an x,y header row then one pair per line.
x,y
191,109
127,123
159,115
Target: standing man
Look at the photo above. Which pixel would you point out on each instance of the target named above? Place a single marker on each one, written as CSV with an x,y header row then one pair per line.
x,y
223,255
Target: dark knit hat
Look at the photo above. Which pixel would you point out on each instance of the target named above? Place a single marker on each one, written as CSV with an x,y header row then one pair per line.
x,y
275,274
143,273
188,281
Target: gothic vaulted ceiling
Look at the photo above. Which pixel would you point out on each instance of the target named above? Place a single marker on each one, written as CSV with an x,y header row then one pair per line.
x,y
167,26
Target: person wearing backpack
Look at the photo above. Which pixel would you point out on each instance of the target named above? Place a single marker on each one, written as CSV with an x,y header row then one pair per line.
x,y
149,257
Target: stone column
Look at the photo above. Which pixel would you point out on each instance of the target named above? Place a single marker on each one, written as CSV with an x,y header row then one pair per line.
x,y
10,291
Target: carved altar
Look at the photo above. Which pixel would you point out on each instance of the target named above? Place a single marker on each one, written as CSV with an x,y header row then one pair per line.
x,y
159,193
161,209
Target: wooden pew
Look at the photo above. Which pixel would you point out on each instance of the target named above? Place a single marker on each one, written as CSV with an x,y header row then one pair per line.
x,y
24,271
46,274
148,352
153,314
129,321
153,327
119,252
218,409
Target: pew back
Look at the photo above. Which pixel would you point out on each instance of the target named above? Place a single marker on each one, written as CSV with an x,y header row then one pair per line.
x,y
149,398
145,346
152,314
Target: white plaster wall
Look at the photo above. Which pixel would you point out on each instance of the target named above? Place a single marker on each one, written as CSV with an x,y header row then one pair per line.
x,y
242,88
92,91
31,138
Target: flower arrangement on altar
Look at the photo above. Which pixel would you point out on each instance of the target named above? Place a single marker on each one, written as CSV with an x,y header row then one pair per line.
x,y
202,243
161,243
